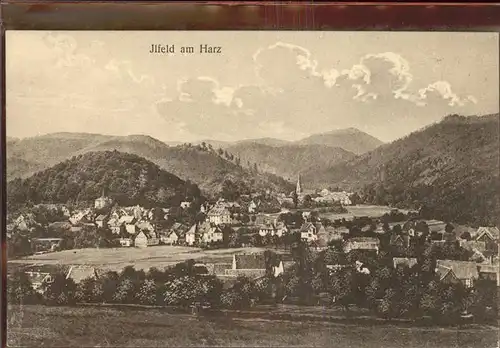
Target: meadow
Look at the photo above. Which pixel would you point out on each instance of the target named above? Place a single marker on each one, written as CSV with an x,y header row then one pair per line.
x,y
116,259
36,326
372,211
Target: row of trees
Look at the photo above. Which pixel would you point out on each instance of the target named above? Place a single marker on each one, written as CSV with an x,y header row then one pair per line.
x,y
180,286
358,279
371,281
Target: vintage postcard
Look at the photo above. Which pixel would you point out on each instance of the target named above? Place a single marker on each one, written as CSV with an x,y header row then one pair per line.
x,y
252,188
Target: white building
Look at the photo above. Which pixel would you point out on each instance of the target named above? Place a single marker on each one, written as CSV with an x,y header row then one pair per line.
x,y
219,215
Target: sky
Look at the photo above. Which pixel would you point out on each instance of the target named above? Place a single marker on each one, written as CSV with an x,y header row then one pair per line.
x,y
280,84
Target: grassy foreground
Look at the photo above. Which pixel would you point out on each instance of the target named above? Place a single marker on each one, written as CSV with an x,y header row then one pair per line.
x,y
36,326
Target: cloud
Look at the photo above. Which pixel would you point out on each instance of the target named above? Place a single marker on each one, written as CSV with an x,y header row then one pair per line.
x,y
443,89
124,69
295,95
65,49
204,108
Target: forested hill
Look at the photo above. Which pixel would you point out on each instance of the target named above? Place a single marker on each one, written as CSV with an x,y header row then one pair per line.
x,y
203,165
451,167
127,178
349,139
291,160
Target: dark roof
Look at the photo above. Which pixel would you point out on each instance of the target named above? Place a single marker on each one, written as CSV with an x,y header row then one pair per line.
x,y
306,226
250,261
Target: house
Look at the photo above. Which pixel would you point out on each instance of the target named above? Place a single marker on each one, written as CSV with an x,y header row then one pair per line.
x,y
79,216
126,242
79,273
135,210
115,225
129,222
219,215
59,226
101,221
306,215
362,243
226,204
46,244
146,225
145,239
281,229
103,202
43,274
399,241
489,271
252,207
185,205
404,261
436,226
308,232
330,197
268,229
212,233
490,236
25,222
452,271
252,265
173,235
192,234
170,238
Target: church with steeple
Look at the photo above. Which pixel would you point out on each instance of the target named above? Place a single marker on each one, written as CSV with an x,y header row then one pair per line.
x,y
298,188
103,201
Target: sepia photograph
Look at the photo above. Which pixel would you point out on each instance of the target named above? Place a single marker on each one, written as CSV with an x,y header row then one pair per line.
x,y
252,188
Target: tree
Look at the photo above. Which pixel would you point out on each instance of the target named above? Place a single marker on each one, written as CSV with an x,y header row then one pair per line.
x,y
20,289
256,240
147,292
340,286
125,292
245,218
230,191
19,245
61,291
466,235
89,290
449,228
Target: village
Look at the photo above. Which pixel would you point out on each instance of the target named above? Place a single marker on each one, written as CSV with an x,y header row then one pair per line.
x,y
464,254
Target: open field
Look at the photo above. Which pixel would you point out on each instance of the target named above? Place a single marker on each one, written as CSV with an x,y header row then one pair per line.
x,y
141,258
35,326
361,210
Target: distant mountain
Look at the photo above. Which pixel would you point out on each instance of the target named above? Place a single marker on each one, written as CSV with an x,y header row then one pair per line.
x,y
291,160
204,167
265,141
350,139
127,178
452,167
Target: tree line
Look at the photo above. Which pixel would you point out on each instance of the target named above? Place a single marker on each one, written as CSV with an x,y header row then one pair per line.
x,y
355,280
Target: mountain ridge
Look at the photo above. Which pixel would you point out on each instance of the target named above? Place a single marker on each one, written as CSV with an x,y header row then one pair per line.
x,y
202,166
446,165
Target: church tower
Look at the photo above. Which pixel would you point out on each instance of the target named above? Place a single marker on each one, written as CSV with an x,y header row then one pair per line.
x,y
298,189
